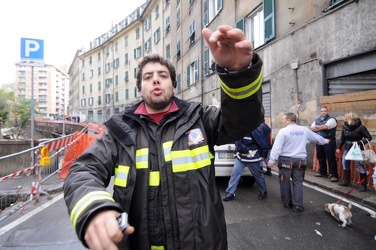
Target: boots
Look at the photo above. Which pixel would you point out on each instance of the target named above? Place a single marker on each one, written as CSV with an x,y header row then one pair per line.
x,y
363,185
346,179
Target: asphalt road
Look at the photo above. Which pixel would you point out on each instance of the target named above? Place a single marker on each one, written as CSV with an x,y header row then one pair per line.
x,y
251,224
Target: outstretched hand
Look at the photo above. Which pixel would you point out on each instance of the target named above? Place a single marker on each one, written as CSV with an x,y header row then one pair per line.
x,y
229,47
103,231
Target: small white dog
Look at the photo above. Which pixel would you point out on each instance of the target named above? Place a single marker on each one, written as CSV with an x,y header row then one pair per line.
x,y
340,212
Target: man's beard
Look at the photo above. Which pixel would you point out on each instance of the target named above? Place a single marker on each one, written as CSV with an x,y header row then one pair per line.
x,y
159,104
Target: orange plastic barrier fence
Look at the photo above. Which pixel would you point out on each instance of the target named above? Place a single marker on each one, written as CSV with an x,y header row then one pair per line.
x,y
354,176
78,146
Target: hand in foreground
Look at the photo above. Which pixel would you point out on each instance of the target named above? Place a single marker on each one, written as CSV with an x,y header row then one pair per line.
x,y
270,164
229,47
103,231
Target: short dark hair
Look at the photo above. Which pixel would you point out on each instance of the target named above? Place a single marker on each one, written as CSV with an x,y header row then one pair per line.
x,y
157,59
290,116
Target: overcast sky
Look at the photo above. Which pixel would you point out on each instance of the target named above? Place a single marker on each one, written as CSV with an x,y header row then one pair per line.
x,y
65,26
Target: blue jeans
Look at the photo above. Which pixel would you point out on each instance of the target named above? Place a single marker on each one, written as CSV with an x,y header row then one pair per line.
x,y
237,171
346,164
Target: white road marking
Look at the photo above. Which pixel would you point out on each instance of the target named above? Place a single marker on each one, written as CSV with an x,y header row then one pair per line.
x,y
371,212
29,215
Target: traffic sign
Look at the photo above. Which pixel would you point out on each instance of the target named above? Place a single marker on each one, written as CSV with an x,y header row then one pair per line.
x,y
32,52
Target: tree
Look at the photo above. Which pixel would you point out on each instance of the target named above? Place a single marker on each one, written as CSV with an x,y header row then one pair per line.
x,y
21,110
6,101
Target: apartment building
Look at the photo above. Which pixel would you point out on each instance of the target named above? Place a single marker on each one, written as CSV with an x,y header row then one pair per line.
x,y
51,86
311,50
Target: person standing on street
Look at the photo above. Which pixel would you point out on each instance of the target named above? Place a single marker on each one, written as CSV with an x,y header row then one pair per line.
x,y
289,149
159,153
248,154
326,126
353,132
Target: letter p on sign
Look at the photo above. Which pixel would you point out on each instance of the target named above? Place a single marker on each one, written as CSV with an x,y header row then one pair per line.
x,y
32,49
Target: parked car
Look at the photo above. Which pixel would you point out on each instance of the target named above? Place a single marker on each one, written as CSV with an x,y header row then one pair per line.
x,y
224,162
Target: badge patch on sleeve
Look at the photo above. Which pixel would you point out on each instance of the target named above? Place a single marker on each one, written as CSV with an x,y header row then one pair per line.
x,y
194,136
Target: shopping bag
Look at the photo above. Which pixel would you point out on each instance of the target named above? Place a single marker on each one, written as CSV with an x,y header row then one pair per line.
x,y
369,156
354,153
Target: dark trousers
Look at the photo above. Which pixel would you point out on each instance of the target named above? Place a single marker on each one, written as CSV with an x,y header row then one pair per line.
x,y
291,191
326,153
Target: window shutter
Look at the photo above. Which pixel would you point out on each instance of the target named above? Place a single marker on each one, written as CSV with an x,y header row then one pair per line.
x,y
219,5
269,20
206,62
188,75
196,70
206,13
240,24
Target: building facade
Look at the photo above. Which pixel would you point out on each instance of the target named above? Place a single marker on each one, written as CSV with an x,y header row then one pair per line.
x,y
311,49
51,88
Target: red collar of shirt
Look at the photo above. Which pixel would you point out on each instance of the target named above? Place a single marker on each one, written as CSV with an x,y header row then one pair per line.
x,y
141,110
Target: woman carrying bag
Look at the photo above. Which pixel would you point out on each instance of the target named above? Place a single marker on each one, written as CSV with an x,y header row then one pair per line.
x,y
353,132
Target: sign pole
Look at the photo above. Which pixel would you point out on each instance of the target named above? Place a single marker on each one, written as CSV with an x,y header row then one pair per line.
x,y
32,116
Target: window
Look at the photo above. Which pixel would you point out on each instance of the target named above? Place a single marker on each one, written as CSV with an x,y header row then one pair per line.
x,y
135,73
83,63
137,52
156,11
167,29
178,51
99,56
178,83
168,54
192,29
99,71
116,63
116,96
108,98
90,101
126,58
108,82
90,60
99,85
192,73
157,35
107,67
259,25
125,40
91,87
178,19
116,45
126,77
147,23
83,76
83,89
126,94
137,33
207,61
116,79
91,73
147,45
83,102
167,2
99,99
211,10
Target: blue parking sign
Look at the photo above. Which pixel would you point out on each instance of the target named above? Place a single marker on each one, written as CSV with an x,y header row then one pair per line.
x,y
32,52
